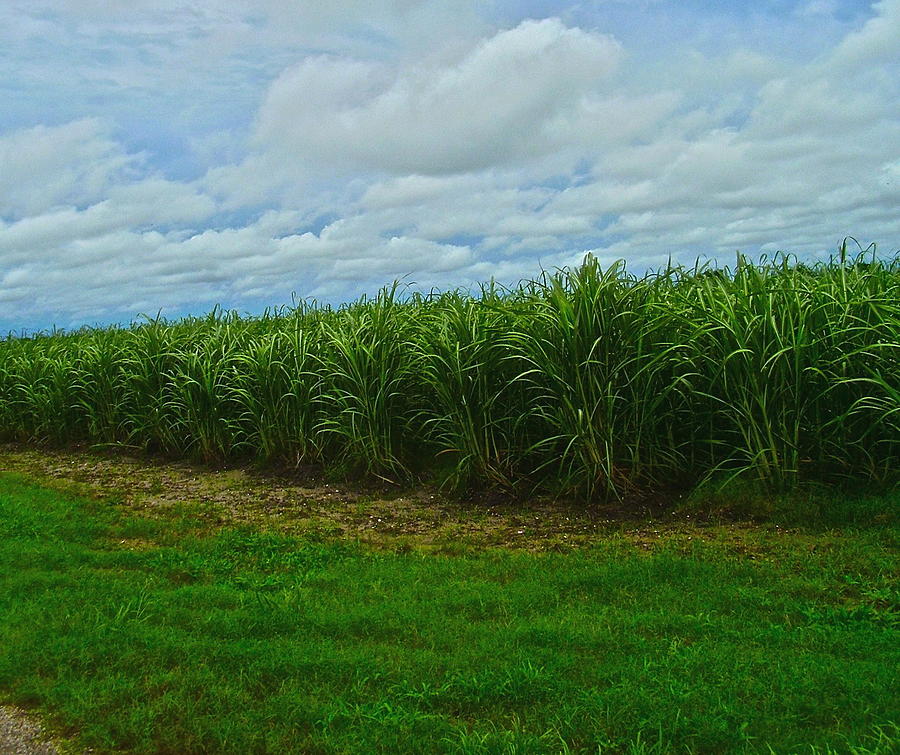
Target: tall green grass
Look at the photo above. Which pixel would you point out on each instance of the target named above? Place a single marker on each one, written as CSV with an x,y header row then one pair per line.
x,y
589,381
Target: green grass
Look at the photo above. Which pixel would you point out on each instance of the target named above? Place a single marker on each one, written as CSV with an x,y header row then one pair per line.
x,y
166,635
589,383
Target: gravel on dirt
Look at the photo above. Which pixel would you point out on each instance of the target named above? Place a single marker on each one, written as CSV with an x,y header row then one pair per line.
x,y
21,734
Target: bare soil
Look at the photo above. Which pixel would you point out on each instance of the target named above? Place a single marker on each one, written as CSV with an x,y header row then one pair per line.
x,y
302,502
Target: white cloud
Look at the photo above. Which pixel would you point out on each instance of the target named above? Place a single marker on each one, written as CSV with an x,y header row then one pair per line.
x,y
476,150
147,202
518,94
876,42
44,167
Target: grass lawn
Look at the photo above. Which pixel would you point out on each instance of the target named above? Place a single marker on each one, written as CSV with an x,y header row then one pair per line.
x,y
170,633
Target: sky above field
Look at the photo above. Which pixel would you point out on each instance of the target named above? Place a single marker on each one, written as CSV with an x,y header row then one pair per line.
x,y
172,155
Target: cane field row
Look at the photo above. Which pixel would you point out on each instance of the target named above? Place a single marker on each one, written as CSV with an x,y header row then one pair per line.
x,y
590,382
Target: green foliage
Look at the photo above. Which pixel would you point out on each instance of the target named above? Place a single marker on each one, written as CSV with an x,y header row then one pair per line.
x,y
368,392
475,397
588,381
167,636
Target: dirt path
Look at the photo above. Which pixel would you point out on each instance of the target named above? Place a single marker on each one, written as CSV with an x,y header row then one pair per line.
x,y
302,503
21,734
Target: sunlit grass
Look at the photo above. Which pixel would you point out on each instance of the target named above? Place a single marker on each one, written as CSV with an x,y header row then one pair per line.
x,y
171,636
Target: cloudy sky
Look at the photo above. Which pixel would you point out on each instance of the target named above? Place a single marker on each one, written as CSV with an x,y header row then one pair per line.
x,y
172,154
